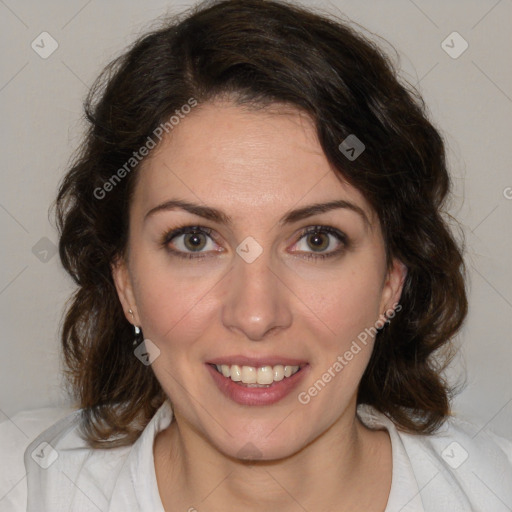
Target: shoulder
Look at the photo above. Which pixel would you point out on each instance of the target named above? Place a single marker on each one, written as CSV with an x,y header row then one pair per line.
x,y
16,434
59,461
57,470
460,467
459,441
478,440
463,460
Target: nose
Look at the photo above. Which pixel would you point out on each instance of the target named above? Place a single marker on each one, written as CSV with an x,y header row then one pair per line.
x,y
256,299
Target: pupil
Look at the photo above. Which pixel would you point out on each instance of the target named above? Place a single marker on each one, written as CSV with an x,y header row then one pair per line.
x,y
316,241
193,241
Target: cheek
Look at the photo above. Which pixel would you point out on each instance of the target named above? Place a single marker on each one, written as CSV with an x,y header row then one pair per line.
x,y
343,329
172,304
344,303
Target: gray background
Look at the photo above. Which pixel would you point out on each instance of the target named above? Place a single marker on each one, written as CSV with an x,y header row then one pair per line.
x,y
469,97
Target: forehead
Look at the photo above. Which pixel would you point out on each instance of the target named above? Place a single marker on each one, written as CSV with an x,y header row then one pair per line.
x,y
235,158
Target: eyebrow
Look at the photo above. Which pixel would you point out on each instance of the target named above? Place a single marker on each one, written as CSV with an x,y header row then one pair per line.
x,y
220,217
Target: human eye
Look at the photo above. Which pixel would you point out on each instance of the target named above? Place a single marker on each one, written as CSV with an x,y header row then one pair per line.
x,y
190,242
319,239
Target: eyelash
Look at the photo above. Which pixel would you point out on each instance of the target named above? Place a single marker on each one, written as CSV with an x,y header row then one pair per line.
x,y
168,236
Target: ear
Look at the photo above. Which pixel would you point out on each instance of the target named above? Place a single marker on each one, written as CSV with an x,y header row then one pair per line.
x,y
124,287
393,285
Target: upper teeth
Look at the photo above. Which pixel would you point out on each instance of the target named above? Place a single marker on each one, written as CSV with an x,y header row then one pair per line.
x,y
253,375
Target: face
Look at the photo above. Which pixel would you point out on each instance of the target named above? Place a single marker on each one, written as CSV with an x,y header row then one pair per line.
x,y
233,267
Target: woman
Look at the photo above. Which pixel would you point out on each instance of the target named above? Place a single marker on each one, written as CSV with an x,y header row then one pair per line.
x,y
266,287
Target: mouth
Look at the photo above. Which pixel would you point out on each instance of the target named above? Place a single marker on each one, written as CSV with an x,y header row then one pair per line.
x,y
254,376
259,383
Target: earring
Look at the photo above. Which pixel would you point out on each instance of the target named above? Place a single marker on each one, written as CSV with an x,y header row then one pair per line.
x,y
136,328
380,328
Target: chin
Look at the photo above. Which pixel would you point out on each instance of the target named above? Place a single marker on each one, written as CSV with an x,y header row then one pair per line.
x,y
261,449
277,437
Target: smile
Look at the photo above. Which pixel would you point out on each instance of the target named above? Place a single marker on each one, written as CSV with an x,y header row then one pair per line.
x,y
259,383
254,376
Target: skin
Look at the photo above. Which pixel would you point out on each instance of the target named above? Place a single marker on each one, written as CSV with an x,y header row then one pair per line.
x,y
256,166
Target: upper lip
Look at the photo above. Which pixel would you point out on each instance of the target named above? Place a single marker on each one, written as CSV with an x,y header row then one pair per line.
x,y
257,362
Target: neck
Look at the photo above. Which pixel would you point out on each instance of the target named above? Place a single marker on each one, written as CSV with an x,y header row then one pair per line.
x,y
337,467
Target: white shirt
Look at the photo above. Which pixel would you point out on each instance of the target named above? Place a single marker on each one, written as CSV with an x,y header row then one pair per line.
x,y
458,469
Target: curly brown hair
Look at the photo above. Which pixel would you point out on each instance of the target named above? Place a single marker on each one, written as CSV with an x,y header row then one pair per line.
x,y
260,53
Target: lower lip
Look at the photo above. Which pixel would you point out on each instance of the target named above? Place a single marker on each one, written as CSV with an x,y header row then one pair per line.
x,y
244,395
